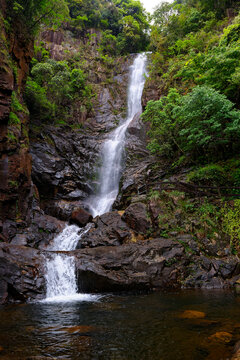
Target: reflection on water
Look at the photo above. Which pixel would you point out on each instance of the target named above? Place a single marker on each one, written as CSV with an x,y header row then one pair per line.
x,y
160,326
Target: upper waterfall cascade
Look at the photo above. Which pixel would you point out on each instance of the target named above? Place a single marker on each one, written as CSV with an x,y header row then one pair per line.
x,y
112,152
60,268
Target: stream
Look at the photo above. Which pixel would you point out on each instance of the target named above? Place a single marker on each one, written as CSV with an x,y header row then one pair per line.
x,y
124,327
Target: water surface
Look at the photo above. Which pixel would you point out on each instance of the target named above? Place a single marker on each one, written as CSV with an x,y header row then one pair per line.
x,y
123,327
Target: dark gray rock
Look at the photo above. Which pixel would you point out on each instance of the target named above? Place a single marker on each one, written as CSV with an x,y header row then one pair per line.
x,y
108,230
133,266
61,209
138,160
21,273
159,263
41,231
137,218
20,239
3,291
63,163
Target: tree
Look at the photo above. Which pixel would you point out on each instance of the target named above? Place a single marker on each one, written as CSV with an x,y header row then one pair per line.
x,y
163,124
210,124
32,13
162,14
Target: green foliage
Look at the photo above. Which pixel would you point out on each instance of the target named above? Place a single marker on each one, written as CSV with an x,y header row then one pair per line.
x,y
16,109
40,53
42,73
188,47
108,43
202,123
183,215
15,104
236,178
209,122
124,23
219,68
13,184
211,174
37,101
53,88
164,126
11,137
231,222
13,119
35,12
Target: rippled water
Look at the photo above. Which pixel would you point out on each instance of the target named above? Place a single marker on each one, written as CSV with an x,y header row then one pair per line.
x,y
123,327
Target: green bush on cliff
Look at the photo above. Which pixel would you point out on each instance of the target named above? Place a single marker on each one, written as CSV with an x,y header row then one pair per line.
x,y
164,127
124,23
231,222
201,124
210,124
37,101
211,174
53,87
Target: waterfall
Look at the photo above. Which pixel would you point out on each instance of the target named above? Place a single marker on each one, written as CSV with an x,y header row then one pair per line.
x,y
60,268
113,148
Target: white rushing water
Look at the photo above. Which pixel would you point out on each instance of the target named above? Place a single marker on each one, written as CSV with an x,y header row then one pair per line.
x,y
113,148
60,268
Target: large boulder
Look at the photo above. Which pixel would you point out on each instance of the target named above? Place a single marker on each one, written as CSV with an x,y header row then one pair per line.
x,y
42,230
61,209
137,218
108,230
80,217
158,263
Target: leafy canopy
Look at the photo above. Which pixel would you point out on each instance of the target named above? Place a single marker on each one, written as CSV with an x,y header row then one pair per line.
x,y
32,13
202,123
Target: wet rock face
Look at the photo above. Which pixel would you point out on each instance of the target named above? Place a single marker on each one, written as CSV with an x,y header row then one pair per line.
x,y
21,274
80,217
63,165
108,230
151,92
66,161
148,264
137,218
137,162
126,267
42,230
60,209
158,263
15,160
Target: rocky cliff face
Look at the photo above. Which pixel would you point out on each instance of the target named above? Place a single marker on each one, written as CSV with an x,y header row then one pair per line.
x,y
16,190
66,159
57,169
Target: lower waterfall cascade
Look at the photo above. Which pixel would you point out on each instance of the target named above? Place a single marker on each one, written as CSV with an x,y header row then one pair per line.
x,y
60,267
60,275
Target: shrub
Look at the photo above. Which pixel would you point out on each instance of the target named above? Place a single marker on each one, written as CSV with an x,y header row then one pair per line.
x,y
164,127
210,125
231,222
37,101
210,174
